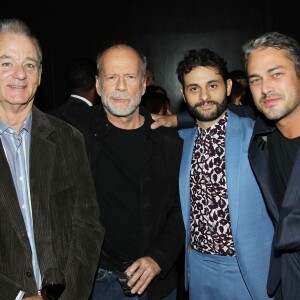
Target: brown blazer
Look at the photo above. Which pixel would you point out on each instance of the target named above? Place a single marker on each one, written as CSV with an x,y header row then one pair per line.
x,y
65,213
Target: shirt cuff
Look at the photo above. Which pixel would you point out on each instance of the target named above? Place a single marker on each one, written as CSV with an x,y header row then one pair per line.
x,y
20,295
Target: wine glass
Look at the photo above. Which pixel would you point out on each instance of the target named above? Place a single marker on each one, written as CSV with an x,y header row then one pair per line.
x,y
123,278
53,284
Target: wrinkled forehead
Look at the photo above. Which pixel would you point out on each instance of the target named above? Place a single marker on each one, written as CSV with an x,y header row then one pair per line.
x,y
121,58
265,58
202,74
17,46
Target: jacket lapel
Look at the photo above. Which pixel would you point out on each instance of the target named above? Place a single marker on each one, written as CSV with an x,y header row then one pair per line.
x,y
233,155
189,136
292,194
42,156
12,207
259,160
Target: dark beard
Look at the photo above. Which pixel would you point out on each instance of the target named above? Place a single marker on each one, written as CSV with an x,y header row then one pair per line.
x,y
221,107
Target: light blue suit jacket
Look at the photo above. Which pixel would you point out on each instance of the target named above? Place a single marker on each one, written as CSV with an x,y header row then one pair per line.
x,y
252,228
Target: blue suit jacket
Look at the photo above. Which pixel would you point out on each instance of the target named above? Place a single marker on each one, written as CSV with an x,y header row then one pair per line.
x,y
252,228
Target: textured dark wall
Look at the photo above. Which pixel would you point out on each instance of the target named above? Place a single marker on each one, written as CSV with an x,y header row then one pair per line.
x,y
162,30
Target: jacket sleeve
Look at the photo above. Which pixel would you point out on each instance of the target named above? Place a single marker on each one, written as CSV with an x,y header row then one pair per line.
x,y
167,228
185,120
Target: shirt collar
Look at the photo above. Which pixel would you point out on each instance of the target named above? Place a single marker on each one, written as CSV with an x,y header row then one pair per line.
x,y
88,102
220,122
26,125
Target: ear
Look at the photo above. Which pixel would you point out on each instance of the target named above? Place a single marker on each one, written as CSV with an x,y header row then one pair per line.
x,y
40,75
228,86
144,86
98,84
182,93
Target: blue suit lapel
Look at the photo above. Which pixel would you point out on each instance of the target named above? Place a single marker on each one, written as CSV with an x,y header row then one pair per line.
x,y
233,150
189,136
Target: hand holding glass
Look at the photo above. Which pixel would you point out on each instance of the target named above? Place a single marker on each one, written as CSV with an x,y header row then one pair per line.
x,y
53,284
123,277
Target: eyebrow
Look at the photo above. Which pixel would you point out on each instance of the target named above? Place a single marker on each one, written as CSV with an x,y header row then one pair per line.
x,y
5,56
208,82
270,70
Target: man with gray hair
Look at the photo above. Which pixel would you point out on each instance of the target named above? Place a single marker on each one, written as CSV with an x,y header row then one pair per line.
x,y
273,66
136,173
49,217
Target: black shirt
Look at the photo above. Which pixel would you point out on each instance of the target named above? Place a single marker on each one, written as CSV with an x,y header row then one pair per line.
x,y
121,160
282,154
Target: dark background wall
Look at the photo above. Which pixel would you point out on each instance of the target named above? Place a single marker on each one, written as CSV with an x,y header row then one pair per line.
x,y
162,30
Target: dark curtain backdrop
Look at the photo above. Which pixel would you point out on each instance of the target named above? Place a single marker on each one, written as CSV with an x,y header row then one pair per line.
x,y
162,30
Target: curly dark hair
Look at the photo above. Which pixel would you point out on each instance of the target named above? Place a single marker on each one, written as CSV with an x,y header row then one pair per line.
x,y
201,58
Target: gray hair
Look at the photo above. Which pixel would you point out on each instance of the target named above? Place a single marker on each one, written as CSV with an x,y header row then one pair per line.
x,y
278,41
19,27
141,56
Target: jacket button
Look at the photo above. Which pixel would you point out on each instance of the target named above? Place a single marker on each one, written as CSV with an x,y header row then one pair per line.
x,y
28,274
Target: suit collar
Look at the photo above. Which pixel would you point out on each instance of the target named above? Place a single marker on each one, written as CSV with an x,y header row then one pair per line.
x,y
263,126
81,99
40,123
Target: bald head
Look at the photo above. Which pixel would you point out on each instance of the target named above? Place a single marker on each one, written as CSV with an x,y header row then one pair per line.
x,y
119,50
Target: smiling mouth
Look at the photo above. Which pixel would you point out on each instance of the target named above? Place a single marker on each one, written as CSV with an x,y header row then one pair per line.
x,y
270,101
17,87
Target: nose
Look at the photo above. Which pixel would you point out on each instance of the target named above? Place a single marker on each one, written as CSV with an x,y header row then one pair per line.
x,y
19,72
266,86
121,84
204,95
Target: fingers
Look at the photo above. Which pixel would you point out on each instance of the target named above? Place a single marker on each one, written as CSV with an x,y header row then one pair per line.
x,y
166,121
160,121
141,283
155,116
155,125
143,275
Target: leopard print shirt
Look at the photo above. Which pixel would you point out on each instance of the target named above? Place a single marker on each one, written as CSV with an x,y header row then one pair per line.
x,y
210,220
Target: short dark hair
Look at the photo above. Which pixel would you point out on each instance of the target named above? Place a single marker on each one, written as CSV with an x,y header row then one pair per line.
x,y
80,74
201,58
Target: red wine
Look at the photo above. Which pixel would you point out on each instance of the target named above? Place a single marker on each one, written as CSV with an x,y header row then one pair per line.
x,y
52,291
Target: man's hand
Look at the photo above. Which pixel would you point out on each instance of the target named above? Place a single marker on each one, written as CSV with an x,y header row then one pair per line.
x,y
33,298
144,270
167,121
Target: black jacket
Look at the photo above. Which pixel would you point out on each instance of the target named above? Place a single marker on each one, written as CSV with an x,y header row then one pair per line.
x,y
285,258
64,211
162,224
